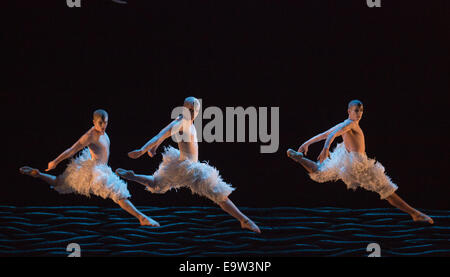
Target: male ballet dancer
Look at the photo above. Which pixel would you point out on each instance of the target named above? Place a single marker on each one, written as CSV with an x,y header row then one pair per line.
x,y
89,173
349,163
181,168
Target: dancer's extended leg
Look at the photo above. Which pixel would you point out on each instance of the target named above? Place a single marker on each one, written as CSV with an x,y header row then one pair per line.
x,y
33,172
397,202
146,180
143,219
123,203
246,222
309,165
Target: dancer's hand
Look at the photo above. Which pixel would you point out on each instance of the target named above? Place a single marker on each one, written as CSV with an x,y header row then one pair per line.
x,y
136,154
323,155
152,151
304,149
51,165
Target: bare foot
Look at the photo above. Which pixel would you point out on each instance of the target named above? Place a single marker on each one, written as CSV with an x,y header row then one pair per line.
x,y
147,221
248,224
26,170
420,217
154,189
125,173
296,156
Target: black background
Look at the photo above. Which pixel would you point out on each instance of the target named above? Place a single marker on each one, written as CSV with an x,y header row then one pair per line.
x,y
138,61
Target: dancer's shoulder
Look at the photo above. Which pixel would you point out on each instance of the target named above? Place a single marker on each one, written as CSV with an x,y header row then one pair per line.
x,y
342,127
348,122
88,136
179,118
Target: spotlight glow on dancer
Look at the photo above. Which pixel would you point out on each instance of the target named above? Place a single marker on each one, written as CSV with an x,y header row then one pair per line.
x,y
349,162
89,173
181,168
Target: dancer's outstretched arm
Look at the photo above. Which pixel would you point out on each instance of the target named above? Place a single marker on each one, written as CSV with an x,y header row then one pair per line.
x,y
331,134
152,144
84,141
323,136
304,147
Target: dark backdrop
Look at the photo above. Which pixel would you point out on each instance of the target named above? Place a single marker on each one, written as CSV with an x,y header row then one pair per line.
x,y
309,58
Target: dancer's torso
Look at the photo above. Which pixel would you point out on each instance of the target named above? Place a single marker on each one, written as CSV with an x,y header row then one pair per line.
x,y
354,140
100,148
189,147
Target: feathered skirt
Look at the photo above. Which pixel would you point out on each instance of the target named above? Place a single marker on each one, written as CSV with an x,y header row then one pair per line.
x,y
85,176
354,169
200,177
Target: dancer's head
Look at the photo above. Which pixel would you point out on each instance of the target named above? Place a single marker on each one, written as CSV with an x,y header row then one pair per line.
x,y
193,105
100,120
355,110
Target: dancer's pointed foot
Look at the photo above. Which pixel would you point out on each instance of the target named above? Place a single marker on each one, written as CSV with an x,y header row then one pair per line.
x,y
26,170
248,224
125,173
153,189
296,156
421,217
147,221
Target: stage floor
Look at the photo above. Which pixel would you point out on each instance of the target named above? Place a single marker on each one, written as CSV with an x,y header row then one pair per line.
x,y
208,231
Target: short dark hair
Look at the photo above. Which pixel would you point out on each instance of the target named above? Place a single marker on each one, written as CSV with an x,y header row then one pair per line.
x,y
100,114
194,101
354,103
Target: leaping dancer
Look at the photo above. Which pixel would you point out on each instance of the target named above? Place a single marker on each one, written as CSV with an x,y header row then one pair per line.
x,y
89,173
181,168
349,162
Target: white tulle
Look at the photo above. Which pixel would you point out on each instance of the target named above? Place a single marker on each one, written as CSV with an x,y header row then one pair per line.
x,y
85,176
200,177
354,169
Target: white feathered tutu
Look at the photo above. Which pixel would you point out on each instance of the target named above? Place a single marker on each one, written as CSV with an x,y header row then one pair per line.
x,y
354,169
85,176
200,177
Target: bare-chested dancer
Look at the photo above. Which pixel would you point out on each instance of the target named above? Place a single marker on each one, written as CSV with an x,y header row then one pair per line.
x,y
349,163
89,173
181,168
